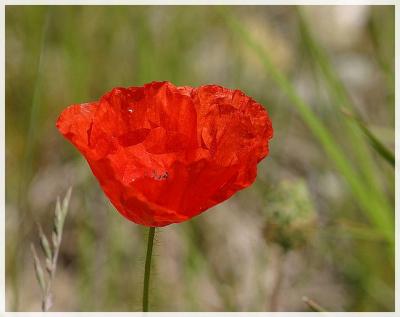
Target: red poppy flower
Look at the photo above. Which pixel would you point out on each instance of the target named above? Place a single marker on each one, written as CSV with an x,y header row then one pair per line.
x,y
163,154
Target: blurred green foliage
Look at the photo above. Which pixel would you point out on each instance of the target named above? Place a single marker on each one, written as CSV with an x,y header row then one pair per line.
x,y
297,62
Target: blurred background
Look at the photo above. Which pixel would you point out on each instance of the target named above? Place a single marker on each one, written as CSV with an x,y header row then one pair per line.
x,y
319,220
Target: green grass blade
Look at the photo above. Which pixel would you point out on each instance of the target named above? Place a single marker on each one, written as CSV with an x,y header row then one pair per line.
x,y
342,100
376,144
382,150
378,213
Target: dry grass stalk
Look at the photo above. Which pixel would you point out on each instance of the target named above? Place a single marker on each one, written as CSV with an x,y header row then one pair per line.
x,y
314,306
50,252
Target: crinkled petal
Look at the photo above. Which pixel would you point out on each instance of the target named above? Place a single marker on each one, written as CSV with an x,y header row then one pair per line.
x,y
163,154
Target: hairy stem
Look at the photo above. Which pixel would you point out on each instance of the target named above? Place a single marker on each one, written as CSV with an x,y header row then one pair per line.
x,y
147,269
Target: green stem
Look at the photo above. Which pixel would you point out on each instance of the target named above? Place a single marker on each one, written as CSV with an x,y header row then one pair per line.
x,y
147,269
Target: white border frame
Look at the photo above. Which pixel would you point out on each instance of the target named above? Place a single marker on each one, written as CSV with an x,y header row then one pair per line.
x,y
198,2
182,2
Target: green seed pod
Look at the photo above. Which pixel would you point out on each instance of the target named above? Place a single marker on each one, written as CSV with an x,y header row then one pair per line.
x,y
290,215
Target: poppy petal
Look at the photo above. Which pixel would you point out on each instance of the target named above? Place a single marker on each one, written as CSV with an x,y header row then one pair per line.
x,y
163,154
